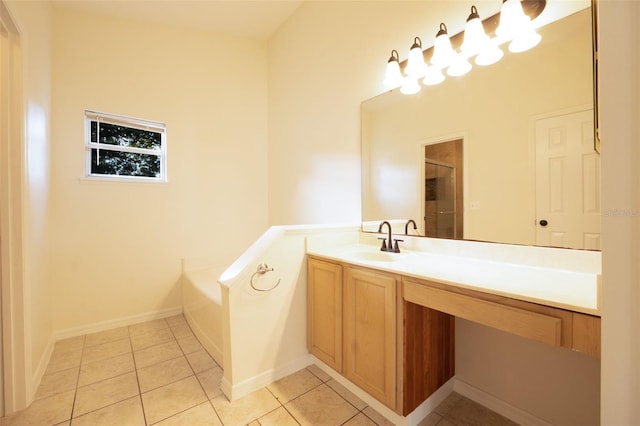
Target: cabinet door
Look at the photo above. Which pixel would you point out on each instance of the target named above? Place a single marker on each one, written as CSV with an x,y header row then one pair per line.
x,y
370,333
324,312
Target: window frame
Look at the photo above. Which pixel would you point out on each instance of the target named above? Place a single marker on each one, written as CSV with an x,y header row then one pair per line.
x,y
130,122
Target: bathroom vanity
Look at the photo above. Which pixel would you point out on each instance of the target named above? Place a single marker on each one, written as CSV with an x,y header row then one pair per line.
x,y
386,321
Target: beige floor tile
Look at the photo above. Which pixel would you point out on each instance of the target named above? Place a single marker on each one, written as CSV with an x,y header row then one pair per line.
x,y
432,419
294,385
446,422
176,320
181,330
448,404
278,417
190,344
202,414
210,381
105,369
378,418
347,394
58,382
201,361
470,413
163,373
64,360
107,336
245,409
146,327
104,393
360,420
319,373
321,406
47,411
124,413
156,354
106,350
152,338
172,399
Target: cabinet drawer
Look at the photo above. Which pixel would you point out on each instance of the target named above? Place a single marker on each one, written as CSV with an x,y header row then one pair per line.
x,y
532,325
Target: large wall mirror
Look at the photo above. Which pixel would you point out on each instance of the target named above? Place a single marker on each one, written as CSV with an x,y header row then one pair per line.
x,y
503,154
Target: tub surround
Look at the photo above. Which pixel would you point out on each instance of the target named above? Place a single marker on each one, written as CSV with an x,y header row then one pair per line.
x,y
202,303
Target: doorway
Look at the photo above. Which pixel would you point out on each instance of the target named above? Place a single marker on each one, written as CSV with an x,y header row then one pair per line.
x,y
567,182
443,203
439,199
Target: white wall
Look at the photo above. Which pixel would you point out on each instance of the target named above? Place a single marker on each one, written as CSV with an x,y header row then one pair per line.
x,y
325,60
116,247
33,22
619,45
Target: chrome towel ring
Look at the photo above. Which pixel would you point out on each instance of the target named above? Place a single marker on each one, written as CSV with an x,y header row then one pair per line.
x,y
262,269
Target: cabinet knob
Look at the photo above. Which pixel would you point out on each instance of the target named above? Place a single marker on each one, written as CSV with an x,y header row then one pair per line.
x,y
543,222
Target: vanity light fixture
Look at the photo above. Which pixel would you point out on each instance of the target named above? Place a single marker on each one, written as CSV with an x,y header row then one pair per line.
x,y
513,26
416,67
393,77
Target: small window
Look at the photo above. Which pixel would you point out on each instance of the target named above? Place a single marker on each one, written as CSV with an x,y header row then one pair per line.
x,y
124,147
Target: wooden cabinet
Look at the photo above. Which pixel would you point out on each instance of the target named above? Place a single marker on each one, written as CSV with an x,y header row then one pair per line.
x,y
394,336
370,332
324,312
546,324
358,324
586,334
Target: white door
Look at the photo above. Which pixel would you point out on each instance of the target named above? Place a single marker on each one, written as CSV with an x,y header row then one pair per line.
x,y
567,182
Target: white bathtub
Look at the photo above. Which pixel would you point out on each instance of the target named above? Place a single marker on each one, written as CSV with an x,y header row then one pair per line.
x,y
202,307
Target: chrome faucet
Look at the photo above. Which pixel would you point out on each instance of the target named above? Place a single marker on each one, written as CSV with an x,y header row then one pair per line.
x,y
406,226
387,243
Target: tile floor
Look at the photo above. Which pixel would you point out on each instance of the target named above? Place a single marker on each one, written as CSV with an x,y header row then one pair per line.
x,y
157,373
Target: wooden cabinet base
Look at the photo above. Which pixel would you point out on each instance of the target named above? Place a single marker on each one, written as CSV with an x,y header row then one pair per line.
x,y
429,353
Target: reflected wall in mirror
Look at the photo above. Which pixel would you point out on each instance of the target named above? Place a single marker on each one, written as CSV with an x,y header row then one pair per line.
x,y
516,120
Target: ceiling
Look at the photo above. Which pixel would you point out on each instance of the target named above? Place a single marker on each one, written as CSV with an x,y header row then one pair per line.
x,y
256,19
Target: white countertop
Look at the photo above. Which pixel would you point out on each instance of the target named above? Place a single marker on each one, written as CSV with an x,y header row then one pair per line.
x,y
574,290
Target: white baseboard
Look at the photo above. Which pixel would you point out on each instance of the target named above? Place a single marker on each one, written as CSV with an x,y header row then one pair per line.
x,y
252,384
413,419
42,367
430,404
499,406
115,323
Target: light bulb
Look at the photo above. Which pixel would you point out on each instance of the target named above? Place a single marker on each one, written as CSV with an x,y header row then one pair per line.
x,y
477,42
443,53
474,36
525,39
433,76
459,66
410,86
512,18
393,76
416,67
489,54
517,26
